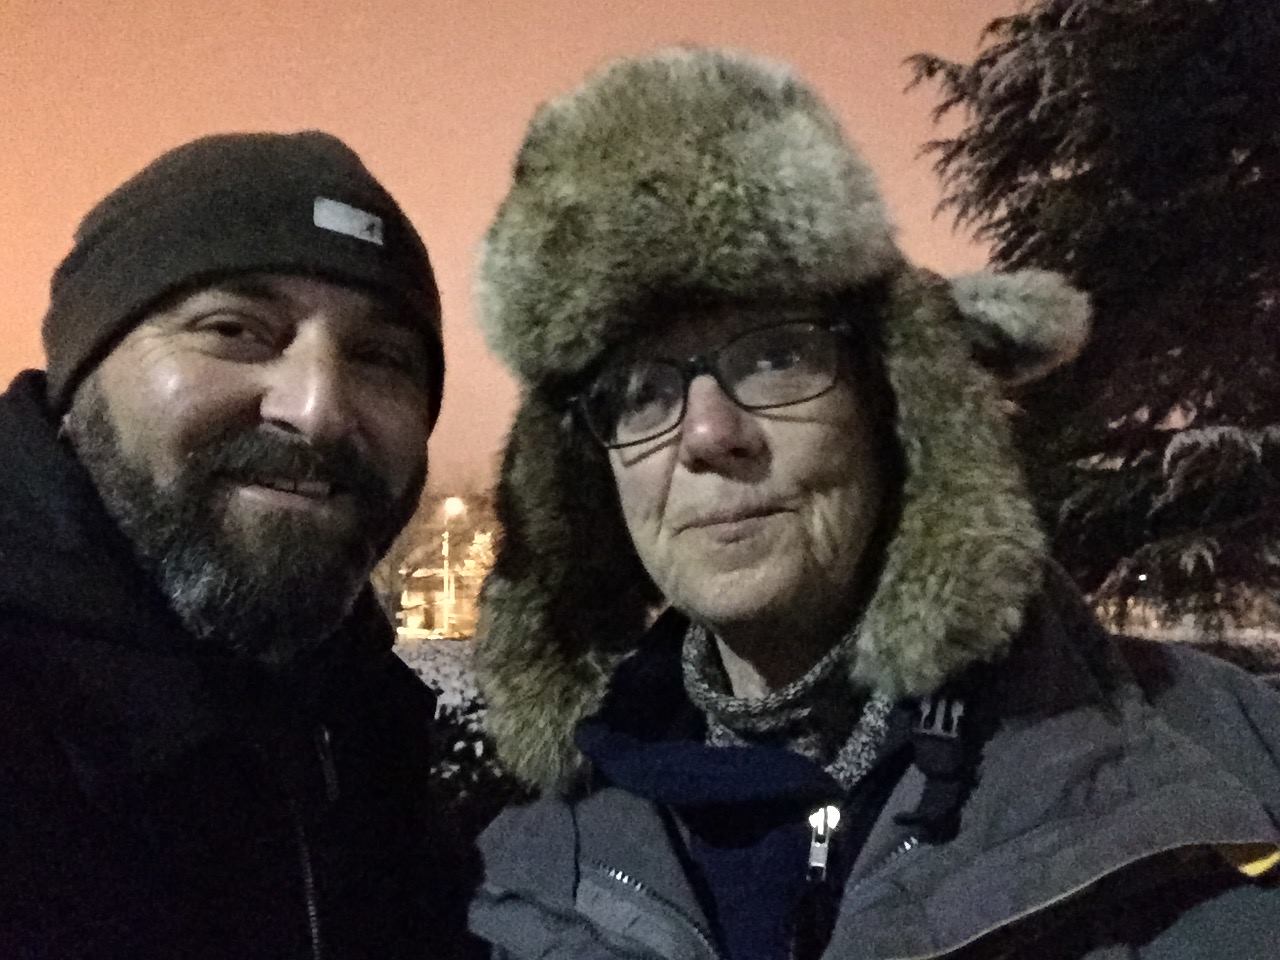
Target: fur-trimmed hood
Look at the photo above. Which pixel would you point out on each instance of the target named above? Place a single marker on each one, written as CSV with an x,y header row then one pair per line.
x,y
712,176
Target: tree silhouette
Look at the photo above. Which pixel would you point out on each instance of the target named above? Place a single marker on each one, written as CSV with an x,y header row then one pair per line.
x,y
1134,146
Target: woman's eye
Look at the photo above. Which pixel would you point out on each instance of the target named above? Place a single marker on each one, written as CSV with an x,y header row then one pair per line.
x,y
647,389
777,359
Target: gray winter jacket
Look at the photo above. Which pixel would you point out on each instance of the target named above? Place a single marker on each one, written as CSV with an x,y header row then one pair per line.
x,y
1126,807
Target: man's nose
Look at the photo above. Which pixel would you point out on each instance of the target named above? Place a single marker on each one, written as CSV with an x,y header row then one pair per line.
x,y
716,429
309,391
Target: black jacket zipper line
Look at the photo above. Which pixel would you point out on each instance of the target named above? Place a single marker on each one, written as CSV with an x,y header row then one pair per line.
x,y
631,883
308,884
323,741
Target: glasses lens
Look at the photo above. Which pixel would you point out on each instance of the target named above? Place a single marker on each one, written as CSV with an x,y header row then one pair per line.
x,y
635,401
775,366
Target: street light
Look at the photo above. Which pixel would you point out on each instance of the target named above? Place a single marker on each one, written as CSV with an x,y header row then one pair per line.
x,y
453,507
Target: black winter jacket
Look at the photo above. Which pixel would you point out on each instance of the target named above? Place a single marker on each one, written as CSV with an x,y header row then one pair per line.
x,y
1126,803
156,803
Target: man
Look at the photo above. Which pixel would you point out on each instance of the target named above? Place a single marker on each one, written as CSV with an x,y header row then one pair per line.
x,y
207,746
872,719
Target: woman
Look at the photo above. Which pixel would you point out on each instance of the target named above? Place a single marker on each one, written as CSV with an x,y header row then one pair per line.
x,y
869,719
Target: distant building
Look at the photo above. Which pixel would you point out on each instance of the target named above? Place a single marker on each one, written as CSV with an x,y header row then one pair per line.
x,y
439,602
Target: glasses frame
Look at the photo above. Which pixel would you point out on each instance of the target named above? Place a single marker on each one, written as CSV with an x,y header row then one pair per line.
x,y
708,363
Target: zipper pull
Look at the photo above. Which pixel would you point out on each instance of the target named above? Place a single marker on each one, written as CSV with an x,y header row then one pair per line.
x,y
822,824
324,749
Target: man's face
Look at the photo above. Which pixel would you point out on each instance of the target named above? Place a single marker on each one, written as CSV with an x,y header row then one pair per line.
x,y
260,442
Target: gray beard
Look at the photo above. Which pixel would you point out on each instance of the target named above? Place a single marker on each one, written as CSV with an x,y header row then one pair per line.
x,y
271,592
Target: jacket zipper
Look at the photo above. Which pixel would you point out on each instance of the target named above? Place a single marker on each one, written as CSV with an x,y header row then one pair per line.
x,y
638,887
903,848
309,885
323,742
813,944
624,879
324,747
823,823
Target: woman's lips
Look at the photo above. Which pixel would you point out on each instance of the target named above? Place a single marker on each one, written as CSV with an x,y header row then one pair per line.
x,y
729,526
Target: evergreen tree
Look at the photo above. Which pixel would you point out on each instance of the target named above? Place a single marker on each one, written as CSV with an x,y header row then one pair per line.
x,y
1134,145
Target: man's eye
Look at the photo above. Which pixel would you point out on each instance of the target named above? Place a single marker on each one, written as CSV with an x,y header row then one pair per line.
x,y
388,357
230,325
238,331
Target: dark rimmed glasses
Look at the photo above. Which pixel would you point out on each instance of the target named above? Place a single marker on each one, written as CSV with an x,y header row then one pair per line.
x,y
641,399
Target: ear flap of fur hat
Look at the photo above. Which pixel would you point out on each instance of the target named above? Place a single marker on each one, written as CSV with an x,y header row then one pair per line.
x,y
966,553
567,596
1024,324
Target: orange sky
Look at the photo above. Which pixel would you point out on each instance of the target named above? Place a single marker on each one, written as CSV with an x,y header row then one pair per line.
x,y
434,94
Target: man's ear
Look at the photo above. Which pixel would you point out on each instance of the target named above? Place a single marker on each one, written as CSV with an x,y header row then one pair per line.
x,y
1024,324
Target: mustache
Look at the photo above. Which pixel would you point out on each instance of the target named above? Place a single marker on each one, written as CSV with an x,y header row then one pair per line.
x,y
251,455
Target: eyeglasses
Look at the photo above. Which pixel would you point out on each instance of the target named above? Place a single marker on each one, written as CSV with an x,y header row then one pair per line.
x,y
766,367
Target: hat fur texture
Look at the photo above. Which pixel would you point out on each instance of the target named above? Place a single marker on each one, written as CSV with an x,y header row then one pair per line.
x,y
1022,325
713,176
684,173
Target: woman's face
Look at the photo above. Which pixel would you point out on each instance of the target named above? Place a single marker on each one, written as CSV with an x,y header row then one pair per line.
x,y
750,521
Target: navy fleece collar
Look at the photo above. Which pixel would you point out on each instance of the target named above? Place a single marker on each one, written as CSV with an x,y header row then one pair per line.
x,y
648,739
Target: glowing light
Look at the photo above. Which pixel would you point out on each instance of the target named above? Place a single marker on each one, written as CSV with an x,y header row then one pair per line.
x,y
454,507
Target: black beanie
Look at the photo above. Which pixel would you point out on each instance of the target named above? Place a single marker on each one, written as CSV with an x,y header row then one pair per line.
x,y
298,203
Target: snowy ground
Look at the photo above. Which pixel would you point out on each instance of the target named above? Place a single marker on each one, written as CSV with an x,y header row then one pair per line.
x,y
466,777
1234,636
445,666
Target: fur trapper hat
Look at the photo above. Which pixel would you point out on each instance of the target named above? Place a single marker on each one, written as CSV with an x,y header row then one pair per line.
x,y
710,177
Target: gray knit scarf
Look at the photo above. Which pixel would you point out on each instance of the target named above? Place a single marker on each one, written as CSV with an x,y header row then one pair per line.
x,y
822,715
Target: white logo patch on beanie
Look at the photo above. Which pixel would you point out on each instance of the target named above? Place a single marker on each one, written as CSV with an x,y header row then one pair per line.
x,y
345,219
